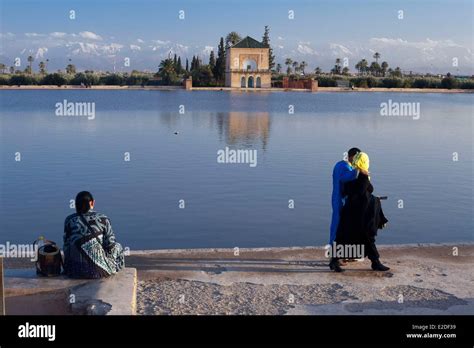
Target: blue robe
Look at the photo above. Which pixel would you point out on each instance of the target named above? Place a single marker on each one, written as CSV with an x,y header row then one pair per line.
x,y
342,173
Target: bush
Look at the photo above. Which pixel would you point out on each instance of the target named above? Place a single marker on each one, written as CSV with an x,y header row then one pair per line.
x,y
420,83
392,83
467,84
55,79
202,77
364,82
112,80
360,82
449,82
21,79
372,82
86,79
137,80
4,80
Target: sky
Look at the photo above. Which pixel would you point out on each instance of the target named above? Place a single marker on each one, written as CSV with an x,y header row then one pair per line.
x,y
427,36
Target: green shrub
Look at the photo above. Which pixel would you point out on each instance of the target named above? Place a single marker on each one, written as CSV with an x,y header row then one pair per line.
x,y
449,82
137,80
21,79
4,80
112,80
392,83
86,79
420,83
360,82
202,77
55,79
372,82
466,84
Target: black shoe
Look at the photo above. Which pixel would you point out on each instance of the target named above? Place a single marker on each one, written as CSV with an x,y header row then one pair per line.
x,y
335,266
378,266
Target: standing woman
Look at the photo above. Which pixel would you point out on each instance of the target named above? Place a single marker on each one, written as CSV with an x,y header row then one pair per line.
x,y
361,216
90,249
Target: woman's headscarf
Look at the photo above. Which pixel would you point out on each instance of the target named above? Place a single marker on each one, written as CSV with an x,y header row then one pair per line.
x,y
361,161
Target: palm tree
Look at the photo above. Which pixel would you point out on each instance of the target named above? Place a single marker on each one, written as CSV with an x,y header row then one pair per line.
x,y
365,65
317,71
384,68
303,65
42,67
232,38
376,57
70,69
278,68
375,68
2,68
337,67
288,62
167,71
30,60
296,66
358,66
12,70
397,72
361,66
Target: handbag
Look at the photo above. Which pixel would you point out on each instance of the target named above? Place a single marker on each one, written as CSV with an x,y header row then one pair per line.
x,y
48,259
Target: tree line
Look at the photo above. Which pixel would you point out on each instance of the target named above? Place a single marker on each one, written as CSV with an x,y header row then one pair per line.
x,y
172,71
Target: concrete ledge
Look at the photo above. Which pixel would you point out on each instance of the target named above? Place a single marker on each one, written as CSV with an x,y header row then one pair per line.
x,y
112,296
27,293
284,249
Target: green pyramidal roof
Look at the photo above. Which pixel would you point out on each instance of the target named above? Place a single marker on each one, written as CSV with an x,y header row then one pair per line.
x,y
248,42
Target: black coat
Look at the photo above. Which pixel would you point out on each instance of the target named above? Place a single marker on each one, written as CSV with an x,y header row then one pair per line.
x,y
362,213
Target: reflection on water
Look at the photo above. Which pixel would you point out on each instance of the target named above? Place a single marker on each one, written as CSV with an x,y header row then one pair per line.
x,y
244,128
231,205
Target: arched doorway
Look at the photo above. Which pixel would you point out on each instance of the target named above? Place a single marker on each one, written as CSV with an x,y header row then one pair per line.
x,y
250,83
259,82
242,82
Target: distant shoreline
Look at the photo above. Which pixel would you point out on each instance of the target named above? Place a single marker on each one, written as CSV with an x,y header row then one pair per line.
x,y
173,88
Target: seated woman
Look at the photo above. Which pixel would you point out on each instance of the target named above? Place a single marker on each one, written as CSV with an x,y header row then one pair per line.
x,y
361,217
90,250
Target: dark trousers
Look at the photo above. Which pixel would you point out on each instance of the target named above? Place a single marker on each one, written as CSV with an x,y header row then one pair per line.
x,y
371,249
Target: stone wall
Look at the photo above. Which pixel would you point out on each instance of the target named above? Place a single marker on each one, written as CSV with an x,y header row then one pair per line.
x,y
310,84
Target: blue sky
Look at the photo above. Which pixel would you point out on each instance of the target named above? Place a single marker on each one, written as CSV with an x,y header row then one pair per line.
x,y
429,36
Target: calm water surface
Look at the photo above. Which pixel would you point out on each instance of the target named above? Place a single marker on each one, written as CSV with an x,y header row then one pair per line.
x,y
232,205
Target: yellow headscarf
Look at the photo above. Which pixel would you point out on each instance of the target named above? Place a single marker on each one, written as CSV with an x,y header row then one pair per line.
x,y
361,161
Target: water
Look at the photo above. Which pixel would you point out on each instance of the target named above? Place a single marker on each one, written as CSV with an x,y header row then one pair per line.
x,y
228,205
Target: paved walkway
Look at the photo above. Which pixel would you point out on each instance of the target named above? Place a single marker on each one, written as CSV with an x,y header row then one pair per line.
x,y
422,280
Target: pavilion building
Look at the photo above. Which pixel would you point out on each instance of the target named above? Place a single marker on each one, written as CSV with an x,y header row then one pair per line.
x,y
247,65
